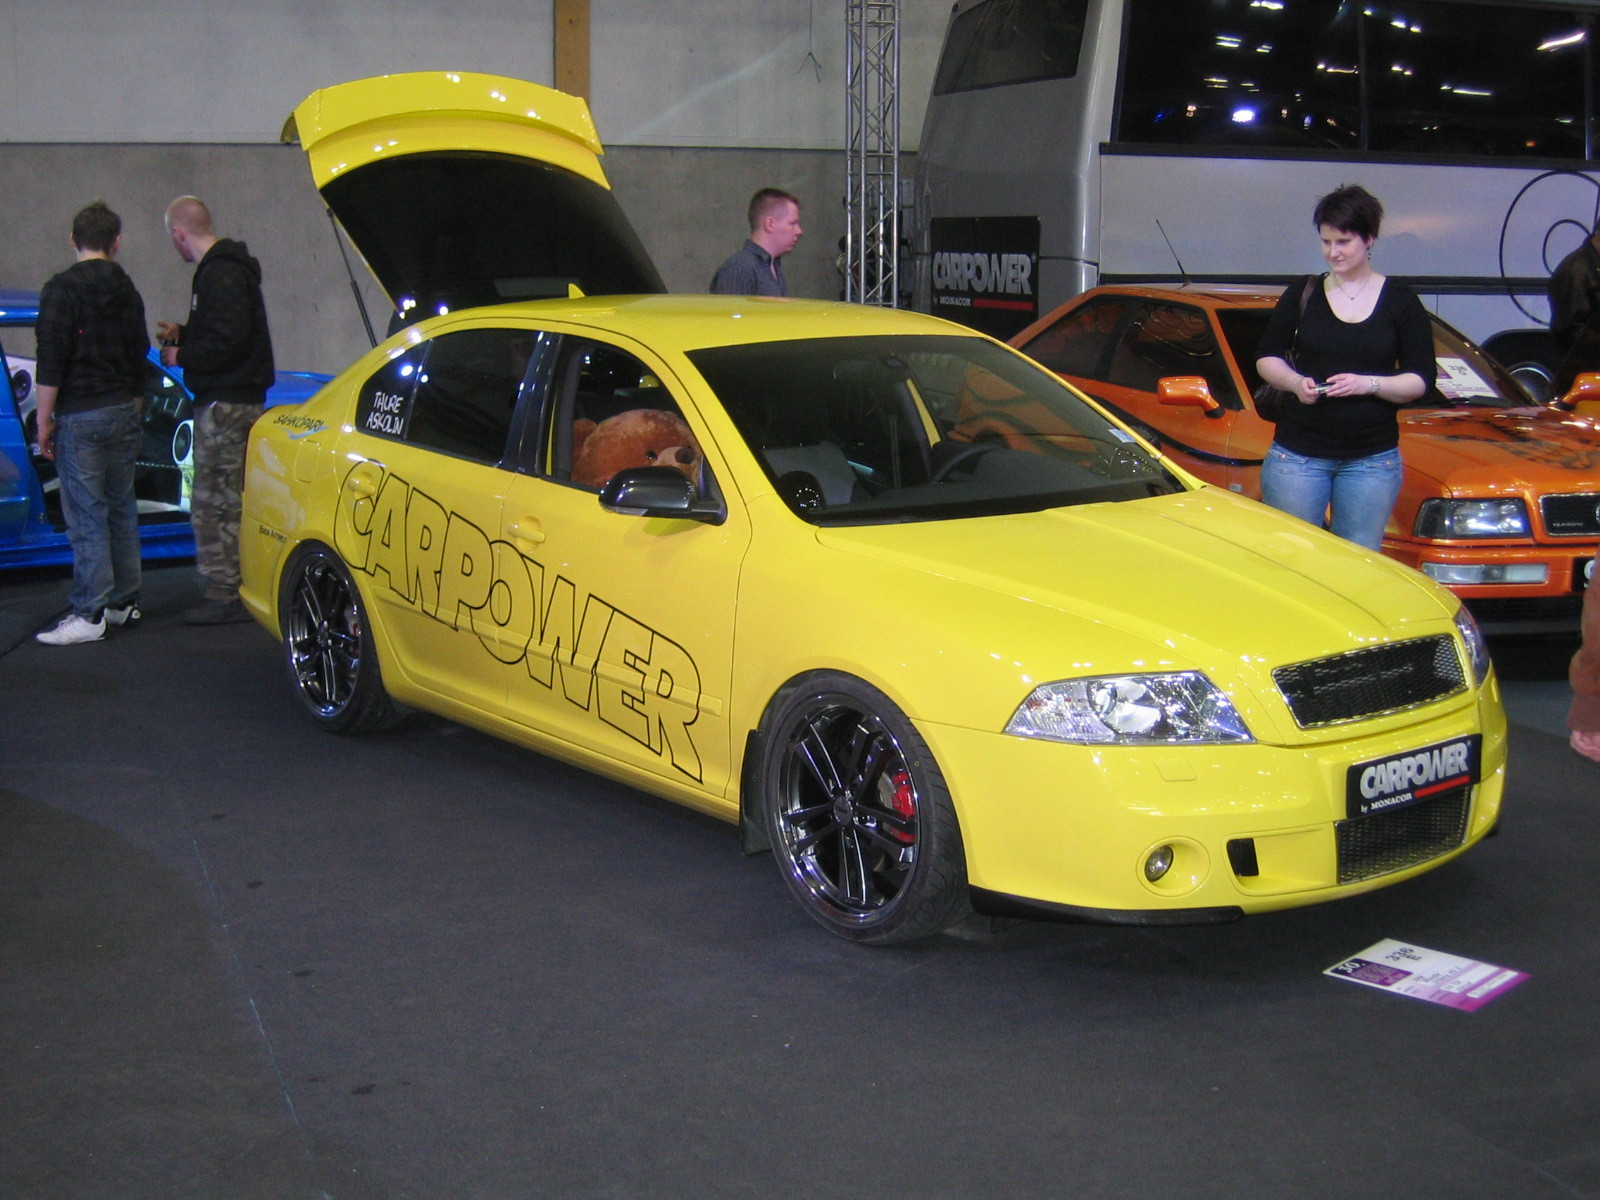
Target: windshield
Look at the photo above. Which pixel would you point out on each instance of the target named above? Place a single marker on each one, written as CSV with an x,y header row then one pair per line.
x,y
1465,377
860,430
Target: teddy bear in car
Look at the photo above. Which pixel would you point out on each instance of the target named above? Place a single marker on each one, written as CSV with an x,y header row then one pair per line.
x,y
641,437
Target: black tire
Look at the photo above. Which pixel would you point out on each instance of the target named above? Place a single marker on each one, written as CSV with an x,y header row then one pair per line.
x,y
1536,378
859,815
328,646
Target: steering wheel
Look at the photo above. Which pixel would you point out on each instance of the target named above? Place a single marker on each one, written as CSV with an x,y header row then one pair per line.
x,y
963,455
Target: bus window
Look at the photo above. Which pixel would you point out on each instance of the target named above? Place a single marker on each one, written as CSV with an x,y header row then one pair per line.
x,y
1011,41
1426,77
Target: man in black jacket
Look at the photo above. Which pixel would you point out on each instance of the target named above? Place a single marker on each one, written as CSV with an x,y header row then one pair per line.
x,y
225,351
91,345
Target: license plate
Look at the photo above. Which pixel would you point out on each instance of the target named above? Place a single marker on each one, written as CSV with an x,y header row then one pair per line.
x,y
1381,784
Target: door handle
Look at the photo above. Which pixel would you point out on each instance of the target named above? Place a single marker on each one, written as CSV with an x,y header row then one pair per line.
x,y
527,531
363,479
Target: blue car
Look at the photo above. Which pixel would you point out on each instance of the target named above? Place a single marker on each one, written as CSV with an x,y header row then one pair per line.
x,y
32,532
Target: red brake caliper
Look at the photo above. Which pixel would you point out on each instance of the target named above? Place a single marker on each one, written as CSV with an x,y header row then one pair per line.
x,y
905,805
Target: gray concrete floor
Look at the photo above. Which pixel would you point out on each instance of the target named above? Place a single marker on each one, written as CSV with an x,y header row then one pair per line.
x,y
242,958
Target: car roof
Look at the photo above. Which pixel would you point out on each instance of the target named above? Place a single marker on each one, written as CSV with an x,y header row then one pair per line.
x,y
1214,295
690,322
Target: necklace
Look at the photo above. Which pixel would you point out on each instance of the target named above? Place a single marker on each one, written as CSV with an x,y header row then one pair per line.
x,y
1349,295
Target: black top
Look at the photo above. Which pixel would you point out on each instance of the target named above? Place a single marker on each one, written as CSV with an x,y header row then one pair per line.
x,y
225,350
1397,337
90,337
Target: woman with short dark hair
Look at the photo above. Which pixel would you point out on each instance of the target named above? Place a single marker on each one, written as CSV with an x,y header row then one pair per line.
x,y
1350,352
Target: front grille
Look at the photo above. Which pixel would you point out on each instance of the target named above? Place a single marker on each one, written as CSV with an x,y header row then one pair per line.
x,y
1402,837
1571,516
1364,683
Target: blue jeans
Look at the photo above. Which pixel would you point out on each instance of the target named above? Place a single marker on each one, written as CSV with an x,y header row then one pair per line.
x,y
1360,491
95,456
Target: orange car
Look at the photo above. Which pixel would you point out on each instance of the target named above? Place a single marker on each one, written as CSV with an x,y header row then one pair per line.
x,y
1501,497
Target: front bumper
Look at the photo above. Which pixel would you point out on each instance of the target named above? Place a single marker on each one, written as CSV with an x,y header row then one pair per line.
x,y
1049,826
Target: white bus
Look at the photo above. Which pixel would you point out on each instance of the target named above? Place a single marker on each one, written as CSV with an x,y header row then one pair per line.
x,y
1075,142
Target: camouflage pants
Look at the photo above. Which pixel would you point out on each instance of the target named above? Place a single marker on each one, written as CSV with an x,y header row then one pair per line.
x,y
221,432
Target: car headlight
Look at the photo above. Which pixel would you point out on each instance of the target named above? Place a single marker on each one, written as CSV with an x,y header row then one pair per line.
x,y
1477,648
1472,519
1135,710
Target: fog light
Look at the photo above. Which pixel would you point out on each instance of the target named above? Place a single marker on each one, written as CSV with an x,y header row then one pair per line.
x,y
1157,863
1467,574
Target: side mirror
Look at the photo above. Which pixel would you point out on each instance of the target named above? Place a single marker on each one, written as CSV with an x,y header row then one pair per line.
x,y
659,492
1188,391
1584,398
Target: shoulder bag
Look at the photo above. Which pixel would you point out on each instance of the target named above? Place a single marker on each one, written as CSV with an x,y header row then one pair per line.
x,y
1269,400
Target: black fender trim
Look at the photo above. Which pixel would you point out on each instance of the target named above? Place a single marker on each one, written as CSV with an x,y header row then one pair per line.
x,y
998,904
752,829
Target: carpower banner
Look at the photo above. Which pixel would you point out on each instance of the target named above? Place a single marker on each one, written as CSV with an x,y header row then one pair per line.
x,y
985,272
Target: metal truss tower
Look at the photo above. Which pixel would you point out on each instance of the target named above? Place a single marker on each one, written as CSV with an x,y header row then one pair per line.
x,y
872,152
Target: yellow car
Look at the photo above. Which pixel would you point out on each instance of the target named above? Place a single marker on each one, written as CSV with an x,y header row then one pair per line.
x,y
804,591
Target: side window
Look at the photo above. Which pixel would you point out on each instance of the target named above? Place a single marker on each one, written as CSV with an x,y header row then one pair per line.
x,y
467,391
1171,339
455,394
1075,344
384,406
614,413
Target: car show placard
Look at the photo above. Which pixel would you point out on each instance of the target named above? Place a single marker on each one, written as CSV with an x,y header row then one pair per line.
x,y
1429,975
985,272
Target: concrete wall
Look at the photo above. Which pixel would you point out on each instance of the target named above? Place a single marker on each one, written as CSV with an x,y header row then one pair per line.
x,y
700,102
741,73
688,205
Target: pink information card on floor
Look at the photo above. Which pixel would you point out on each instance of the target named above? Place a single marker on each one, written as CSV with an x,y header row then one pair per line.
x,y
1429,975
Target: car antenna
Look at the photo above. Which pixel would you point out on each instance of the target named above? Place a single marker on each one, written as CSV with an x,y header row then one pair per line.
x,y
1175,257
351,275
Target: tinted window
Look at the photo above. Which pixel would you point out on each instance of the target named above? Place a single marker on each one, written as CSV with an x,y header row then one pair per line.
x,y
1427,76
1243,328
467,391
384,405
456,393
1171,339
917,428
1076,343
1011,41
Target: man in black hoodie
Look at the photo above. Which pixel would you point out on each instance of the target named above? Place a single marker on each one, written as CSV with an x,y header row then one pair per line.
x,y
225,351
91,345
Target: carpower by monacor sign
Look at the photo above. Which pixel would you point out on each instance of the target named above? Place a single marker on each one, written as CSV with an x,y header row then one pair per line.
x,y
984,272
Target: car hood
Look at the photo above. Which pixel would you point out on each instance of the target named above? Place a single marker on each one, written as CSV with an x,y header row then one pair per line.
x,y
1507,450
462,189
1207,575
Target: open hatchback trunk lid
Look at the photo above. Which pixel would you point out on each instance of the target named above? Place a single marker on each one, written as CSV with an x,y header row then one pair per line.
x,y
462,190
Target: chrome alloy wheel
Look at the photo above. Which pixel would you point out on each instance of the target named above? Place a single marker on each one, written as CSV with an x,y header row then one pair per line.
x,y
847,810
323,638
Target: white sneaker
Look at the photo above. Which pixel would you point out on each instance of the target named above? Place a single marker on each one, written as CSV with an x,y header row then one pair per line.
x,y
128,615
71,630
